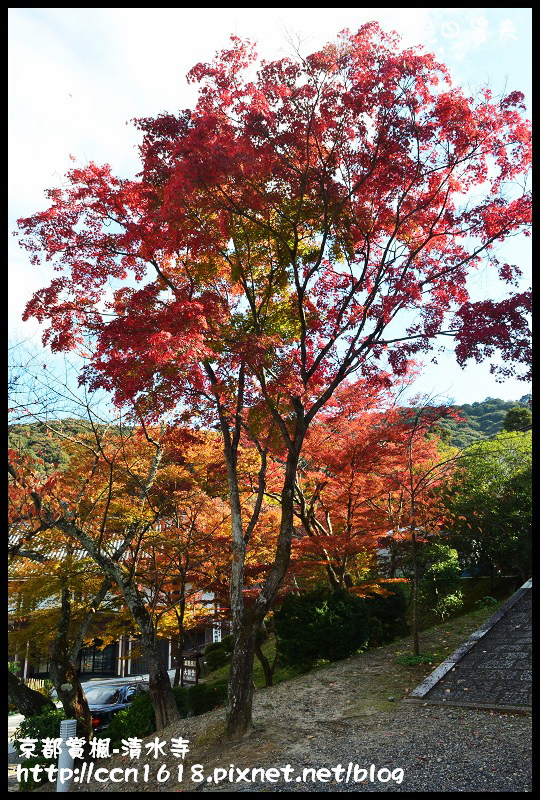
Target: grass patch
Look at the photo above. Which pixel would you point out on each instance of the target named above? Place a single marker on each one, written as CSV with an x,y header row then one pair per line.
x,y
269,650
439,641
388,674
421,658
478,594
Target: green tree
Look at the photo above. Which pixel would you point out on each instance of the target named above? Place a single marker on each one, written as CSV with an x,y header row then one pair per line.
x,y
517,419
479,420
439,585
489,502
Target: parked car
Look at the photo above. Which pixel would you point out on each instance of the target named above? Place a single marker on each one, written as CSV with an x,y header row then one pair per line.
x,y
107,699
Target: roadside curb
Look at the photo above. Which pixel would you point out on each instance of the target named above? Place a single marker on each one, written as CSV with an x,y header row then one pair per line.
x,y
418,694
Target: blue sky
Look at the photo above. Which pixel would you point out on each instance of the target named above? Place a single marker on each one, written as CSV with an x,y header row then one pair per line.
x,y
76,76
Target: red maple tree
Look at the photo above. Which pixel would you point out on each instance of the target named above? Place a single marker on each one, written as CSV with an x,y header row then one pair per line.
x,y
341,480
313,220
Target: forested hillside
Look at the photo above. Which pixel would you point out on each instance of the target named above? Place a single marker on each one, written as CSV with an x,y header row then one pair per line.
x,y
45,440
481,420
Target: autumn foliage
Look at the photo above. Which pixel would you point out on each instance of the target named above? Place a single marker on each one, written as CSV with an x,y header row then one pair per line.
x,y
344,172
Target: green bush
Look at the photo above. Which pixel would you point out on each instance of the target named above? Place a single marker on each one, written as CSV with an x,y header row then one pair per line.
x,y
320,624
27,784
375,632
213,647
181,695
486,602
390,610
205,696
439,586
228,643
38,726
215,658
139,719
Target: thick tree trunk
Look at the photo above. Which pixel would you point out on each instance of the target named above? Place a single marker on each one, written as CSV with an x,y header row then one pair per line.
x,y
63,673
71,695
240,696
160,689
416,641
246,624
27,701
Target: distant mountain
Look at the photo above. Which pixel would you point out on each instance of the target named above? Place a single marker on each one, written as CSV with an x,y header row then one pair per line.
x,y
46,440
480,419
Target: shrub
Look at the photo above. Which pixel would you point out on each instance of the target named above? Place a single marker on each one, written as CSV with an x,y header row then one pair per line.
x,y
439,587
390,610
205,696
139,719
486,602
181,695
28,783
38,726
320,625
375,632
215,658
228,643
213,647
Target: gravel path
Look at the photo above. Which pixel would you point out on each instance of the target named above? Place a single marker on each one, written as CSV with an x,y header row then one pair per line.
x,y
422,749
349,712
419,748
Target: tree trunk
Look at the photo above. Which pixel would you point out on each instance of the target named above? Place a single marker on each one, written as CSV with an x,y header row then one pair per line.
x,y
160,689
246,624
63,673
27,701
178,676
416,641
240,695
265,664
178,673
268,669
71,695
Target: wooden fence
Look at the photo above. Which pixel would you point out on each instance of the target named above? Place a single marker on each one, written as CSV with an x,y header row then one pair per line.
x,y
35,683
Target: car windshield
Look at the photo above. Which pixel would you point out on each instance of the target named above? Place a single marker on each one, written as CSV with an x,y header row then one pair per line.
x,y
103,695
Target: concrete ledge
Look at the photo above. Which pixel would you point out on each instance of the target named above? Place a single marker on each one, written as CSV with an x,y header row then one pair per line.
x,y
503,709
449,663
